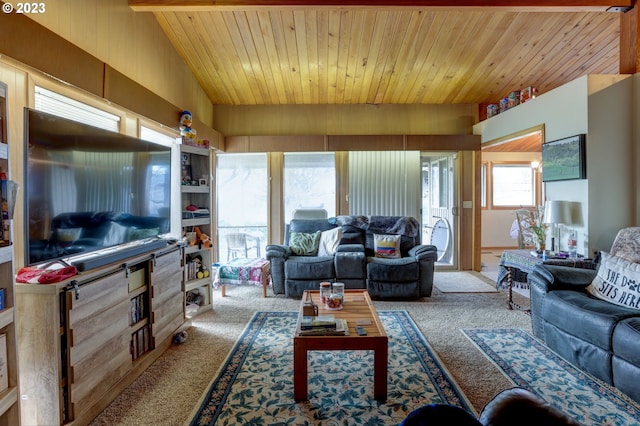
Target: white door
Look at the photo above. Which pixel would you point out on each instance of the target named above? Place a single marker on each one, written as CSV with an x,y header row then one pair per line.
x,y
440,206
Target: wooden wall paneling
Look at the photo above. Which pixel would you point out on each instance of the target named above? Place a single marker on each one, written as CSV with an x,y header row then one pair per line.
x,y
342,183
469,235
314,143
336,143
443,142
366,143
236,144
213,193
122,90
629,46
29,42
275,162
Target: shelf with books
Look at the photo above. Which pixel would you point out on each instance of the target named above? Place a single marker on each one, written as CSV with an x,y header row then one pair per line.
x,y
196,222
9,389
6,317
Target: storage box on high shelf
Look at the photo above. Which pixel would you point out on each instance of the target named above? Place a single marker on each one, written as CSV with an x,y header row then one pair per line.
x,y
196,226
514,99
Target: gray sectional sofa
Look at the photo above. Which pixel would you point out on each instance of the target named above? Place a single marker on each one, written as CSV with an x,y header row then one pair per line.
x,y
354,263
596,335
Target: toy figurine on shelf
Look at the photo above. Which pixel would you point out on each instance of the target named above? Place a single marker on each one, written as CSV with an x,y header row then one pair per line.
x,y
202,238
188,133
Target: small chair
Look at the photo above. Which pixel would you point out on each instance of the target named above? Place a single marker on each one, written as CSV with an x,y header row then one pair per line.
x,y
237,245
310,214
523,218
441,238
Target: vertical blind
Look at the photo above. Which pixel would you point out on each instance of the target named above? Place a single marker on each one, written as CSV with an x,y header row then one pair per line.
x,y
385,183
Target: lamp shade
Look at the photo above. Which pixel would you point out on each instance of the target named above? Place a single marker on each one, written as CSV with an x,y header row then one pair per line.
x,y
576,213
557,212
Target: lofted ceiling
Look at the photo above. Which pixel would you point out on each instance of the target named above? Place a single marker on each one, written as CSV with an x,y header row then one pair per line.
x,y
311,54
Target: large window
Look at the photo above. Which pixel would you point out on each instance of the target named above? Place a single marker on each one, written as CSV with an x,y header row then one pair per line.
x,y
309,183
65,107
242,201
513,185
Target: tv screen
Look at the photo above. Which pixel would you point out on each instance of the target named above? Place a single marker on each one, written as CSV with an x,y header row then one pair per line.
x,y
87,189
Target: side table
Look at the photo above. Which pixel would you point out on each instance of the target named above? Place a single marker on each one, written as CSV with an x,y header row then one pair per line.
x,y
515,265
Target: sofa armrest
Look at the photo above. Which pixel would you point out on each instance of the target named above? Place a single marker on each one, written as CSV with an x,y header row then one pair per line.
x,y
546,278
350,248
424,252
277,255
277,250
551,277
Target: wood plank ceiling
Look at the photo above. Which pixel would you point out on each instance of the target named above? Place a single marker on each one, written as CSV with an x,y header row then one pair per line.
x,y
385,55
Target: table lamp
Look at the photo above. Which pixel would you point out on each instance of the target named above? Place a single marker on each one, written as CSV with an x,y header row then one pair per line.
x,y
555,213
575,209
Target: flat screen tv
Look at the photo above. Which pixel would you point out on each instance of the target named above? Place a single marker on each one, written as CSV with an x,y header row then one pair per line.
x,y
89,189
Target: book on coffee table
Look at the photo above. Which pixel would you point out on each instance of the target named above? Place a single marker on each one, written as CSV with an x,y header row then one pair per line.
x,y
339,329
320,321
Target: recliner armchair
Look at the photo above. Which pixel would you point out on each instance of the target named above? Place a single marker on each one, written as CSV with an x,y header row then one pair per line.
x,y
291,274
408,276
597,336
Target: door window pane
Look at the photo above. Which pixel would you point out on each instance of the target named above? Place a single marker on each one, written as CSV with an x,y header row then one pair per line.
x,y
241,187
309,183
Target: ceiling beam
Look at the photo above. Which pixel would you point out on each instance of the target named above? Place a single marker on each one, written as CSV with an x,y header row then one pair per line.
x,y
507,5
630,42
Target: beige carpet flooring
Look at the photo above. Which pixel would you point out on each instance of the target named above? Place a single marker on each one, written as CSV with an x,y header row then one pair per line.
x,y
168,391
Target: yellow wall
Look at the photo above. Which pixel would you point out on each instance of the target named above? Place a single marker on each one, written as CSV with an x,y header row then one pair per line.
x,y
132,43
345,119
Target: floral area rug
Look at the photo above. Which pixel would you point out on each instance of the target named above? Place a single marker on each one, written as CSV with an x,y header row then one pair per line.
x,y
530,364
255,384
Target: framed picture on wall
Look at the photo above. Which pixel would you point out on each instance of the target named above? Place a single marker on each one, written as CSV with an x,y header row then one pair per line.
x,y
564,159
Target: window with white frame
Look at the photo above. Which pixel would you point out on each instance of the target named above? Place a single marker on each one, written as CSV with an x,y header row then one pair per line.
x,y
513,185
65,107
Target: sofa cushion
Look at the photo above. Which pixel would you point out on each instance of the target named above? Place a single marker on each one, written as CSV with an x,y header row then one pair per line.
x,y
329,241
627,244
309,267
116,234
386,246
617,281
305,244
404,269
582,315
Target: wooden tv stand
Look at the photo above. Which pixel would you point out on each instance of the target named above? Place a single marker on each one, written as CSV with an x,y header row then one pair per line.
x,y
83,340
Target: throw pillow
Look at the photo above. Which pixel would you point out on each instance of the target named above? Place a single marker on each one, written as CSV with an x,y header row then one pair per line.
x,y
617,281
304,244
387,246
329,241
